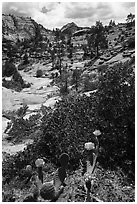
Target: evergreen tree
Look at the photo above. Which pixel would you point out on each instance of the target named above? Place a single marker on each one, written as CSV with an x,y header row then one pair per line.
x,y
97,37
110,23
76,78
130,19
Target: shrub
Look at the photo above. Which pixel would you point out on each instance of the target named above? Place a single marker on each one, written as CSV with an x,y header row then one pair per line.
x,y
18,78
102,68
89,84
116,113
21,66
39,73
64,89
9,68
69,127
131,42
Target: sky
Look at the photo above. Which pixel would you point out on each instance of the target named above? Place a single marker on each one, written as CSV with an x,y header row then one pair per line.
x,y
56,14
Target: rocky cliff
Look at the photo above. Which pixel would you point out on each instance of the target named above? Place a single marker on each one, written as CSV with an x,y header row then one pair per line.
x,y
69,28
20,28
72,28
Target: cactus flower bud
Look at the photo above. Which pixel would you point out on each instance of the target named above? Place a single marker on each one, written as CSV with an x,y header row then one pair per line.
x,y
39,163
89,146
28,168
97,132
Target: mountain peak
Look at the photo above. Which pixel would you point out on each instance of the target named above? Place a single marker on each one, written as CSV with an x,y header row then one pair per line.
x,y
69,28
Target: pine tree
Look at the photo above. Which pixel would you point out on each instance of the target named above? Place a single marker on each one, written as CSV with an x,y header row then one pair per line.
x,y
130,19
97,37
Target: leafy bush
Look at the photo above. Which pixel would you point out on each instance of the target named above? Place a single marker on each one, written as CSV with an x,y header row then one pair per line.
x,y
64,89
39,73
12,85
16,83
69,126
89,84
102,68
9,69
116,112
18,78
131,42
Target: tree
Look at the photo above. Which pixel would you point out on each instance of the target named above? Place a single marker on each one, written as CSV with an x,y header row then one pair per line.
x,y
113,23
75,78
130,19
70,51
97,37
57,34
110,23
64,77
25,59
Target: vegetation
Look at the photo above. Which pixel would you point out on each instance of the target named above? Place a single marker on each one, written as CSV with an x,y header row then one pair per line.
x,y
17,83
112,24
97,37
25,59
131,42
116,112
110,109
74,119
39,73
9,68
130,19
76,78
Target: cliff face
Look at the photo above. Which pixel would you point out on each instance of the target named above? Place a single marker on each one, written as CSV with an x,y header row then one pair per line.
x,y
69,28
14,28
72,28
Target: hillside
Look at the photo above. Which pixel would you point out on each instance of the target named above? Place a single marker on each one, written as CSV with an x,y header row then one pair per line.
x,y
56,91
20,28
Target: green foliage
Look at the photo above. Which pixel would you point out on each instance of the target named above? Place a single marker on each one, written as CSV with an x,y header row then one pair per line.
x,y
97,37
39,73
102,68
9,68
111,24
89,83
18,78
116,113
71,124
16,83
131,42
64,89
59,35
130,19
69,127
25,59
76,78
22,111
12,85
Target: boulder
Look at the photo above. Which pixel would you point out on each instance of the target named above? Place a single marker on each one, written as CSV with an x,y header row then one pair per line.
x,y
126,54
101,62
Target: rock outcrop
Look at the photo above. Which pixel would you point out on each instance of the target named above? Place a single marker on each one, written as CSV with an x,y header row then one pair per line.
x,y
16,28
69,28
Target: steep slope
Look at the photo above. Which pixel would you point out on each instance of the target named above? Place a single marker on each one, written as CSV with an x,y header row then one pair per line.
x,y
19,28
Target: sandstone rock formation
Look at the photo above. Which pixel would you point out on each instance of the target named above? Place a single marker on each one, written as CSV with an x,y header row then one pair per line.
x,y
20,28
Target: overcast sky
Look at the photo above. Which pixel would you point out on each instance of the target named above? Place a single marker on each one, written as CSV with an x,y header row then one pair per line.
x,y
56,14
